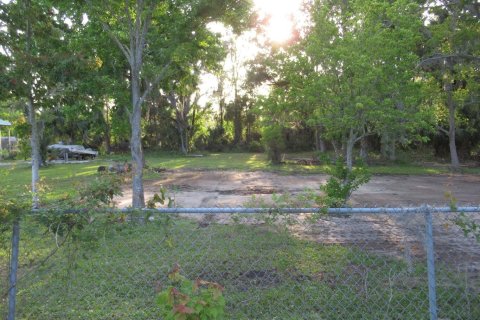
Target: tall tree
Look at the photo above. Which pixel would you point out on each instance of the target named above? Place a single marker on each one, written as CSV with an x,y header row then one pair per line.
x,y
147,32
452,58
362,86
33,39
353,75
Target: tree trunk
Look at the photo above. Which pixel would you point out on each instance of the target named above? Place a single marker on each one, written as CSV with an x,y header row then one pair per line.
x,y
222,111
392,150
319,142
108,142
248,133
34,136
364,149
138,198
337,149
349,151
183,149
133,52
237,122
455,163
388,147
36,158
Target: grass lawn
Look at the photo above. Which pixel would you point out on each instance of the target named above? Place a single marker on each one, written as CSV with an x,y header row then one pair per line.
x,y
266,274
115,271
63,178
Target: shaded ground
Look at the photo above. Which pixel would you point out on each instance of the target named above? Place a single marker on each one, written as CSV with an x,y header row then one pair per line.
x,y
399,236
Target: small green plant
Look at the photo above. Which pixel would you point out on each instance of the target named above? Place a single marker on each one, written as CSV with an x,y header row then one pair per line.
x,y
468,226
341,184
185,299
452,201
161,199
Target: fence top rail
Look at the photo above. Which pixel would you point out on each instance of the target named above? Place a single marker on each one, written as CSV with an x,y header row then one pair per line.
x,y
348,211
242,210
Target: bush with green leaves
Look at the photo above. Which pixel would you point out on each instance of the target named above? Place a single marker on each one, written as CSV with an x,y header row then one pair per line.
x,y
341,184
70,215
469,227
185,299
255,146
274,142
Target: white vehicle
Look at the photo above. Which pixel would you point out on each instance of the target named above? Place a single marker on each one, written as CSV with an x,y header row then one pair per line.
x,y
72,151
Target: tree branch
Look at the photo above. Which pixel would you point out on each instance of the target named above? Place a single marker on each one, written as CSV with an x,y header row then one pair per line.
x,y
441,129
152,84
130,22
146,24
459,56
125,50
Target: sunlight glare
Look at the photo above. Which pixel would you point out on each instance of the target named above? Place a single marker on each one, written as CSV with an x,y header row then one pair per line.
x,y
280,15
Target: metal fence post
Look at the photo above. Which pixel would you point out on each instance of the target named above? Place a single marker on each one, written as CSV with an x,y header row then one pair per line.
x,y
12,291
432,290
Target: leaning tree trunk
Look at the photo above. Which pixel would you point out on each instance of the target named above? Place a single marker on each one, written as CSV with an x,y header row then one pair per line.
x,y
455,163
337,148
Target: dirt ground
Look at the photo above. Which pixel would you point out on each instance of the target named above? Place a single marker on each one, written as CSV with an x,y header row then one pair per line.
x,y
192,188
399,236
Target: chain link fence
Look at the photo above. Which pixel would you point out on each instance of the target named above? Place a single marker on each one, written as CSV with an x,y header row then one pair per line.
x,y
270,265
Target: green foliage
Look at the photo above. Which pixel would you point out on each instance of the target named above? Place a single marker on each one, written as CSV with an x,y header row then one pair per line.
x,y
71,214
255,146
12,208
218,139
161,199
341,184
468,226
191,300
99,192
273,140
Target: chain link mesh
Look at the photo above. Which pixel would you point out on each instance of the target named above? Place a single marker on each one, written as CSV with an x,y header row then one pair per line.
x,y
271,266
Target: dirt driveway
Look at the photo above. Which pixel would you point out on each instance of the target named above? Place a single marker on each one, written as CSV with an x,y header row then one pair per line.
x,y
192,188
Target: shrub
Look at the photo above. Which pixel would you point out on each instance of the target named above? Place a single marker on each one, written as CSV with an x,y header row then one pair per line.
x,y
191,300
341,184
255,146
274,142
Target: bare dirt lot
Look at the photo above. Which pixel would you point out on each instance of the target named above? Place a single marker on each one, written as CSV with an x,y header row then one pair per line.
x,y
192,188
399,236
